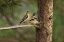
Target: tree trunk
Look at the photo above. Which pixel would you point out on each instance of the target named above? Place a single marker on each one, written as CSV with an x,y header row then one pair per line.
x,y
45,15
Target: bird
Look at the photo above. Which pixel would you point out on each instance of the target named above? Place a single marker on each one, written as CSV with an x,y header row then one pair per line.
x,y
33,20
26,17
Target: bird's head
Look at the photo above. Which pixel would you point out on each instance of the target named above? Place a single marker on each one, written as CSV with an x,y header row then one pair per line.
x,y
32,17
27,12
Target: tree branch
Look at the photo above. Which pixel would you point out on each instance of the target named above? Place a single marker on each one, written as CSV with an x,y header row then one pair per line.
x,y
18,34
16,26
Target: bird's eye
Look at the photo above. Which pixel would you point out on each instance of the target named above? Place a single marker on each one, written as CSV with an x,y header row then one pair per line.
x,y
31,19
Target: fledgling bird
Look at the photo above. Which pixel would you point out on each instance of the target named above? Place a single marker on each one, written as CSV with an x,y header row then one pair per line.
x,y
33,20
26,17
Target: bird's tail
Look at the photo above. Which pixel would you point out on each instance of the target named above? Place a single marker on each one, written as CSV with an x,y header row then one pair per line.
x,y
20,22
34,16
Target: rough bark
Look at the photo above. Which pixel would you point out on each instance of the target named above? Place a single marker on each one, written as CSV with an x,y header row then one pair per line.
x,y
45,14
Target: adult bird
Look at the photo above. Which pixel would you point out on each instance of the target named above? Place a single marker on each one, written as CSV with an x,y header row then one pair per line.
x,y
26,17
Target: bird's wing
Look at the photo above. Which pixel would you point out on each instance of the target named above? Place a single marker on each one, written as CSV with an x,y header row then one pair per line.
x,y
24,18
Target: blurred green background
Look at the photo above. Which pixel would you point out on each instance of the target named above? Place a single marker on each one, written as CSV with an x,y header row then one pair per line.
x,y
12,11
58,26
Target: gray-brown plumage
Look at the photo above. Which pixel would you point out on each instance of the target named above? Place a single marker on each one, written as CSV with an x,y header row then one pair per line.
x,y
33,20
